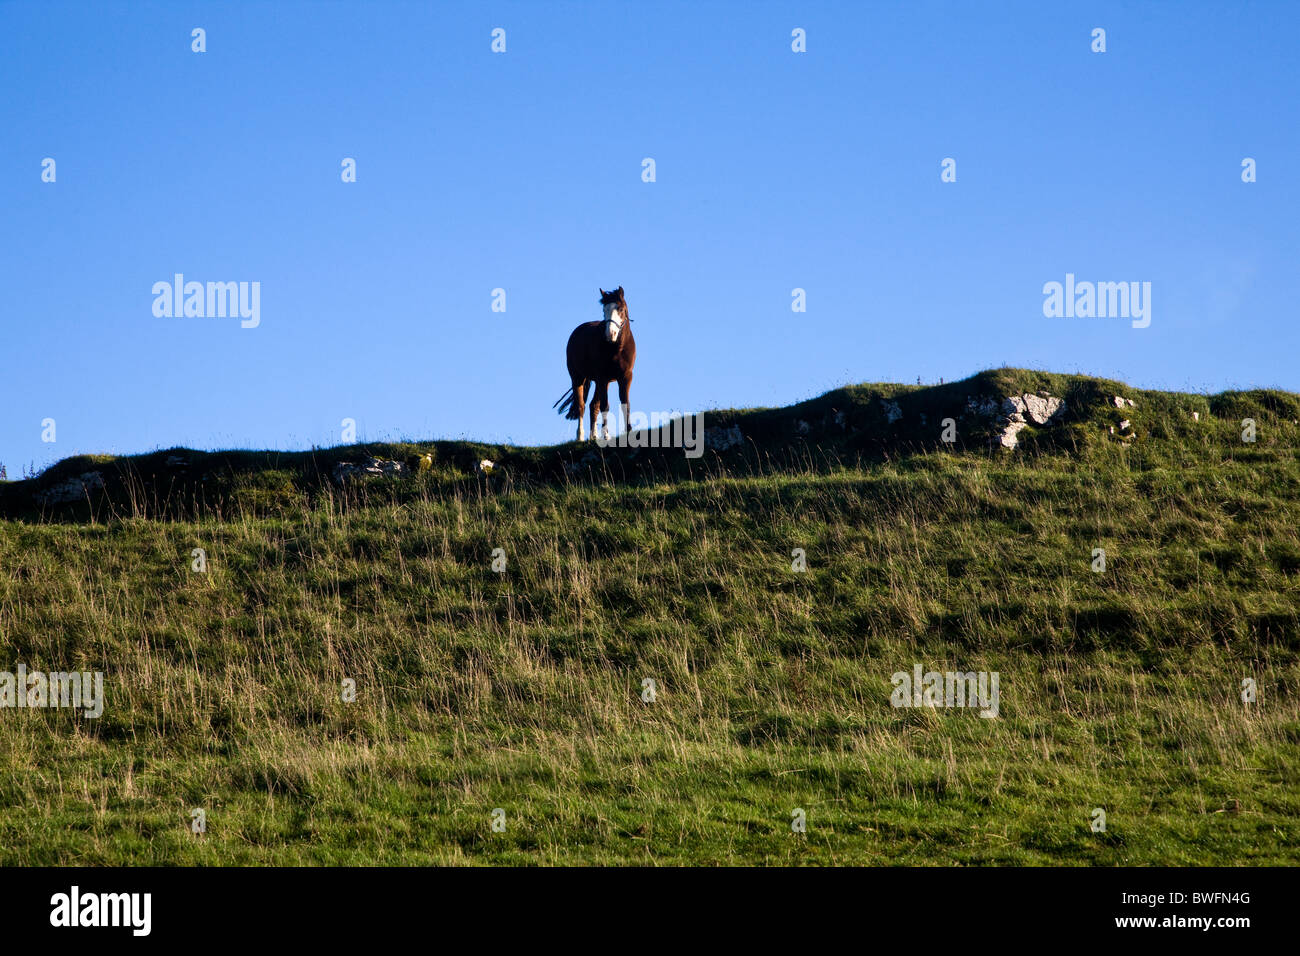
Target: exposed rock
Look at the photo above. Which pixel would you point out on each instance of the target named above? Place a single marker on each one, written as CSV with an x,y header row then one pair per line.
x,y
892,411
984,407
801,426
1041,409
720,439
1008,438
71,489
1124,431
840,419
371,468
1122,402
1016,412
485,467
1031,408
587,460
176,461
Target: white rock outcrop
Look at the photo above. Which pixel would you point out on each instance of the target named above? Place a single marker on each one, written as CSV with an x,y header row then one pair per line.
x,y
720,439
1016,412
1039,409
71,489
1009,437
371,468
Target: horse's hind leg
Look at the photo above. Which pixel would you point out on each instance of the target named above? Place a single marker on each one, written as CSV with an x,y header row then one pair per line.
x,y
578,406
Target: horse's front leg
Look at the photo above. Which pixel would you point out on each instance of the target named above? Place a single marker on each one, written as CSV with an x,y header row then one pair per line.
x,y
596,389
602,401
624,390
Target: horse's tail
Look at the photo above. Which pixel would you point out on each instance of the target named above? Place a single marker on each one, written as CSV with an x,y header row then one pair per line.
x,y
569,411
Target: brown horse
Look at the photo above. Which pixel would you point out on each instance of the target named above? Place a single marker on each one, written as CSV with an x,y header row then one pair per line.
x,y
599,353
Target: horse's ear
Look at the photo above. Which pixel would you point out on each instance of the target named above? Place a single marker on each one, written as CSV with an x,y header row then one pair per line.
x,y
602,292
620,292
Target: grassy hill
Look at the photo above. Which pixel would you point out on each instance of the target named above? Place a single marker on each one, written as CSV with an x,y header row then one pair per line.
x,y
522,691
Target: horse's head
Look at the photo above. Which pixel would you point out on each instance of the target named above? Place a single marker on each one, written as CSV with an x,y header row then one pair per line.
x,y
615,307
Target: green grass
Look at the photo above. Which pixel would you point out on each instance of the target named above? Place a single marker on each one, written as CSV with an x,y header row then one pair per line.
x,y
522,691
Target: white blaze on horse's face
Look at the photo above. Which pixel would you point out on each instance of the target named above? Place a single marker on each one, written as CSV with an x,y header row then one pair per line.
x,y
613,322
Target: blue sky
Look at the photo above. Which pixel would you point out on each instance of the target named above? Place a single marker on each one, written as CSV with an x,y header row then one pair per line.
x,y
775,170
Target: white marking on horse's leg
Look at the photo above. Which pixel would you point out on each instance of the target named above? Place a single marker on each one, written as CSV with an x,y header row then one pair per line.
x,y
604,425
582,429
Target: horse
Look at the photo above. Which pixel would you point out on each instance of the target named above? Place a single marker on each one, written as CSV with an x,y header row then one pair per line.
x,y
598,353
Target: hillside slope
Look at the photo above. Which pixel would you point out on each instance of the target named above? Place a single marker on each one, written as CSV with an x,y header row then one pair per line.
x,y
855,425
524,689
